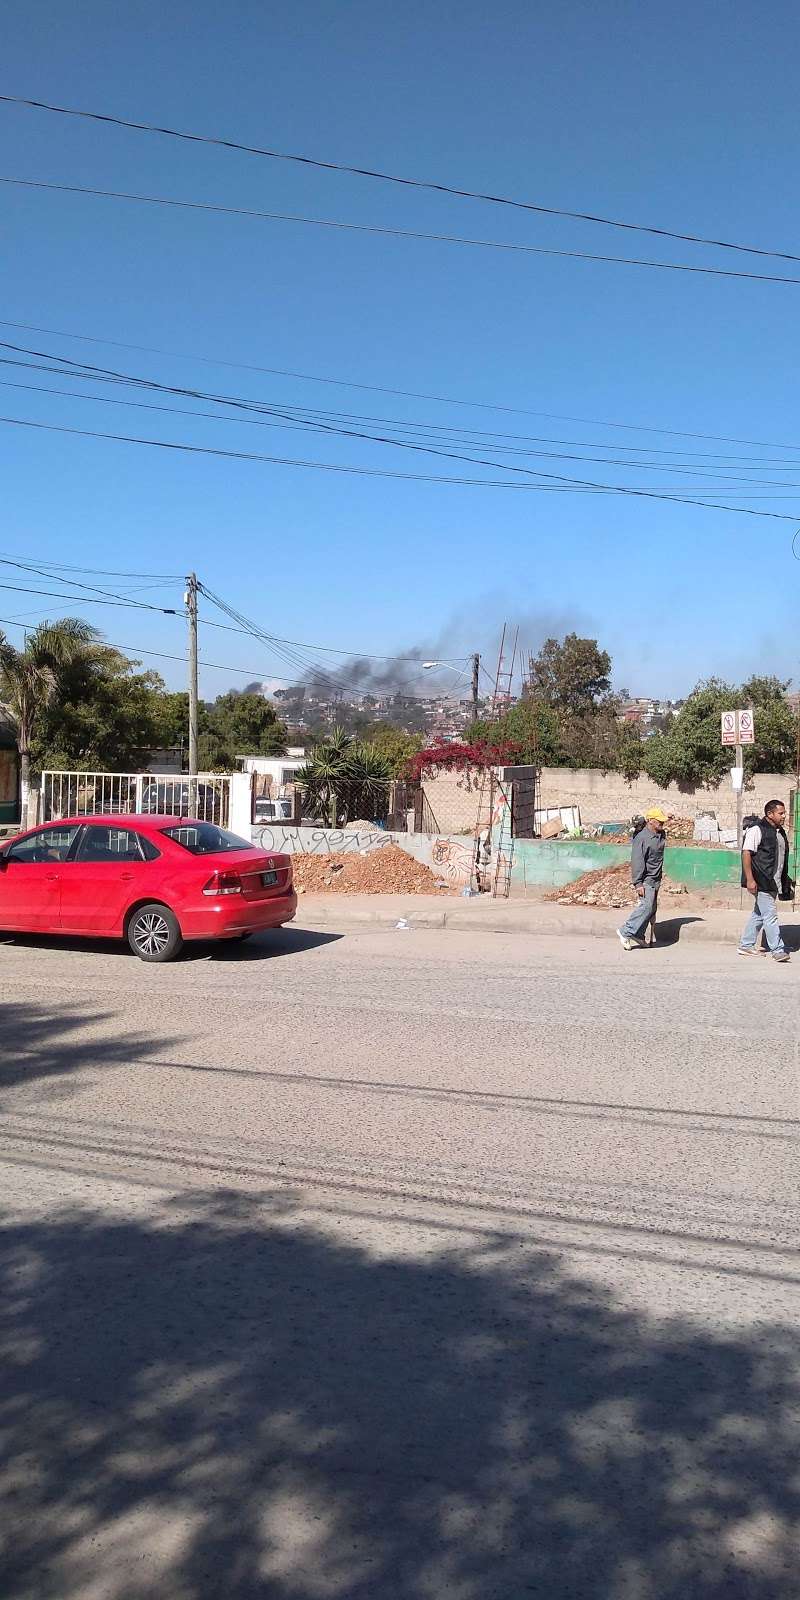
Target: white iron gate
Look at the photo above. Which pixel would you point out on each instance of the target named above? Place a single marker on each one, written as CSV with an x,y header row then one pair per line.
x,y
85,794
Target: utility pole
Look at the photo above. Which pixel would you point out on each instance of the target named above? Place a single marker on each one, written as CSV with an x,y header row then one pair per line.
x,y
476,667
190,599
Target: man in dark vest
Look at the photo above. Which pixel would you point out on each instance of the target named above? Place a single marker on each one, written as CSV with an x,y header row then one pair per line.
x,y
765,875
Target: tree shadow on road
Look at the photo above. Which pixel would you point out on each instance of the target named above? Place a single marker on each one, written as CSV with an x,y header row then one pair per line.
x,y
57,1041
219,1402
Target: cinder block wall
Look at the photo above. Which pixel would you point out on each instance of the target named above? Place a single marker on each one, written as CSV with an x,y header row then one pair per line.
x,y
453,798
603,796
606,797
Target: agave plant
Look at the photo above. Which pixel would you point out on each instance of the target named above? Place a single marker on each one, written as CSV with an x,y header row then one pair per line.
x,y
29,677
343,779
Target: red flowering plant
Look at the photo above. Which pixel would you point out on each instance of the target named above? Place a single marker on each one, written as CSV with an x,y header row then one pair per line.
x,y
459,757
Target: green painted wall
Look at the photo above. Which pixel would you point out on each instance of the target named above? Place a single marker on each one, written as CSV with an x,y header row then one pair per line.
x,y
554,862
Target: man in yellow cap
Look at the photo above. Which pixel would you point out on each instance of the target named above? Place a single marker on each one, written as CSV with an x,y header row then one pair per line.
x,y
647,870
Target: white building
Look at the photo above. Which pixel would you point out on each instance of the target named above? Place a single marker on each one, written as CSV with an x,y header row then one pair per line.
x,y
273,783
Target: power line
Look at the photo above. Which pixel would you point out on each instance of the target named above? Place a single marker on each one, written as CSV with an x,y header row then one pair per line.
x,y
103,572
389,177
330,650
139,605
244,455
295,417
89,372
91,600
397,233
718,472
287,652
407,394
359,655
564,485
165,655
253,673
313,669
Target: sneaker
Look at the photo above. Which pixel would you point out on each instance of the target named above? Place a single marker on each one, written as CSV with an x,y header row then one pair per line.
x,y
750,950
780,955
628,944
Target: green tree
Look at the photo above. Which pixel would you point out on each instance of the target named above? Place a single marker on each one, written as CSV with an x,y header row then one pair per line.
x,y
30,679
531,725
691,751
104,716
239,725
343,779
577,713
393,744
572,675
173,720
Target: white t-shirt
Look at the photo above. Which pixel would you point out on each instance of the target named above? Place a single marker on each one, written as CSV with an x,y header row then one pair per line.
x,y
752,841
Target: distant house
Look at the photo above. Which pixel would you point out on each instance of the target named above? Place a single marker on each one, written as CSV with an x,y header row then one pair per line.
x,y
9,770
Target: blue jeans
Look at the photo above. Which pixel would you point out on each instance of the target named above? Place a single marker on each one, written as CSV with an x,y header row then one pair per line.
x,y
763,915
643,913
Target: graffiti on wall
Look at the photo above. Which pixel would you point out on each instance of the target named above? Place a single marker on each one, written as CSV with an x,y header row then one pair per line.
x,y
450,859
318,841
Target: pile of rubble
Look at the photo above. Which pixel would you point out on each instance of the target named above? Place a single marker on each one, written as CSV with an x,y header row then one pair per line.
x,y
679,829
388,870
607,886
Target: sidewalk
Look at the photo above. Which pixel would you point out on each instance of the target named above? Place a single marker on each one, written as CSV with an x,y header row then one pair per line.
x,y
482,914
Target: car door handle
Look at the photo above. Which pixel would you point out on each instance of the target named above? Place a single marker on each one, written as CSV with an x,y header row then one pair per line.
x,y
53,877
125,877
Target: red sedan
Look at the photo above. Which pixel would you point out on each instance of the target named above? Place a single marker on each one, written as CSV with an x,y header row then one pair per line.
x,y
155,881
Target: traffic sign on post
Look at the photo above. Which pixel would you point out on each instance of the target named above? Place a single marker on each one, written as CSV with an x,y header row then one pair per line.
x,y
746,729
738,727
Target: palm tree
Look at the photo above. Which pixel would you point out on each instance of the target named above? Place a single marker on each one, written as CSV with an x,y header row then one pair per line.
x,y
29,679
323,779
342,778
370,776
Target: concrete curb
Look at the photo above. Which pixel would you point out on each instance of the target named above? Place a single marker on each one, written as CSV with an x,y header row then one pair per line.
x,y
713,926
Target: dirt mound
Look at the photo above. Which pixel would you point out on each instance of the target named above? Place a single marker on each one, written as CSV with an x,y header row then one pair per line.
x,y
607,886
385,871
679,830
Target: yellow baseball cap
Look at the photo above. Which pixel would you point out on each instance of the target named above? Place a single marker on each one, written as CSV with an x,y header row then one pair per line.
x,y
655,814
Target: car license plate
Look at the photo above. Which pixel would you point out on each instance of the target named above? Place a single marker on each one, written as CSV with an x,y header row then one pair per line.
x,y
268,878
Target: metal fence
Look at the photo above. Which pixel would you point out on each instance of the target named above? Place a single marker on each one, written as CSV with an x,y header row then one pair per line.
x,y
84,794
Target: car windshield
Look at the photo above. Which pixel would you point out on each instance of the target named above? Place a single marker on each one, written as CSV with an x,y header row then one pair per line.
x,y
205,839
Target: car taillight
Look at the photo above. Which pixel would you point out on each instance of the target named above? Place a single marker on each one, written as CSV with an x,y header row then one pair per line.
x,y
224,883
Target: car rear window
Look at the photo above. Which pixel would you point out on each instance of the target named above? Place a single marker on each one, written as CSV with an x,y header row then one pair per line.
x,y
206,839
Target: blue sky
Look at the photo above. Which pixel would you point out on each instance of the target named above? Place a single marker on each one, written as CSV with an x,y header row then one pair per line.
x,y
681,116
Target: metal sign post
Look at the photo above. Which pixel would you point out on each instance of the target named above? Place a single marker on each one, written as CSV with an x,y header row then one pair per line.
x,y
738,729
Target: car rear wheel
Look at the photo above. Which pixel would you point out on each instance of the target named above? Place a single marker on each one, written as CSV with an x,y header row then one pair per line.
x,y
154,933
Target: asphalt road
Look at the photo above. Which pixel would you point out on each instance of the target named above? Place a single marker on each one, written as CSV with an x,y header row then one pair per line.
x,y
399,1266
